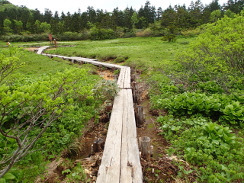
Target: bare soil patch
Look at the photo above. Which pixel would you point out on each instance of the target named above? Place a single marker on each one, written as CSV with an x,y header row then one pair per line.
x,y
159,168
33,49
106,74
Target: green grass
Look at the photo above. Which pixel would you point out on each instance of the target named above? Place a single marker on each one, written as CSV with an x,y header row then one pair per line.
x,y
36,65
146,52
2,44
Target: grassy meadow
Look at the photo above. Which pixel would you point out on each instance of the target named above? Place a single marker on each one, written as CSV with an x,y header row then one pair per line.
x,y
149,52
199,98
202,97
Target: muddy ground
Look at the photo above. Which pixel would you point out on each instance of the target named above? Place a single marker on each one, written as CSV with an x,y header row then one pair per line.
x,y
159,168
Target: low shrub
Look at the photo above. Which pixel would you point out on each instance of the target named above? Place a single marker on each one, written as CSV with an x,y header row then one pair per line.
x,y
101,33
214,151
191,32
71,36
25,38
144,33
128,34
216,54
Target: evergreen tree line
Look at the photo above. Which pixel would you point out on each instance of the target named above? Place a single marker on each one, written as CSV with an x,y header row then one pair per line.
x,y
123,23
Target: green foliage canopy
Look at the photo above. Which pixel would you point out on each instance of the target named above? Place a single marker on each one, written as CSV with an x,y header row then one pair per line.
x,y
29,108
217,54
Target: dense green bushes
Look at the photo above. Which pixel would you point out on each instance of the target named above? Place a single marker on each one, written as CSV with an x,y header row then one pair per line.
x,y
216,55
93,34
25,38
42,112
101,33
201,96
71,36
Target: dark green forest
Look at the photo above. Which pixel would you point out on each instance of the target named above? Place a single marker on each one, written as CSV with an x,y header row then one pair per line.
x,y
101,24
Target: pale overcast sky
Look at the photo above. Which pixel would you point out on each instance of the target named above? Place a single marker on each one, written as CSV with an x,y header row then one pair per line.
x,y
73,5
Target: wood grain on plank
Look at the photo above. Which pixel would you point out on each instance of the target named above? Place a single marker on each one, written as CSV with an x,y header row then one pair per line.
x,y
109,170
127,78
131,170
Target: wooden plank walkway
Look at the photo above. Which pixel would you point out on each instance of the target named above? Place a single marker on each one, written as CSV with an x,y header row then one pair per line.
x,y
41,49
121,159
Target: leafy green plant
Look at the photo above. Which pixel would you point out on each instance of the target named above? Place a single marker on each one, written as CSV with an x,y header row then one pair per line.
x,y
7,177
106,90
30,107
216,55
210,87
173,127
215,106
234,113
77,174
214,150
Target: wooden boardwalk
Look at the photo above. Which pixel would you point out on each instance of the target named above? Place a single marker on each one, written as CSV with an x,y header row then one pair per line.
x,y
121,159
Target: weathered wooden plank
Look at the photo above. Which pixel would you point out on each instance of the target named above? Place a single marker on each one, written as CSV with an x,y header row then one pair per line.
x,y
81,59
126,171
127,78
66,58
131,170
124,78
48,55
41,49
120,81
109,170
130,167
95,62
55,55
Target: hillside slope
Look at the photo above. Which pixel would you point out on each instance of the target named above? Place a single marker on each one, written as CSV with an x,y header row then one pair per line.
x,y
7,5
